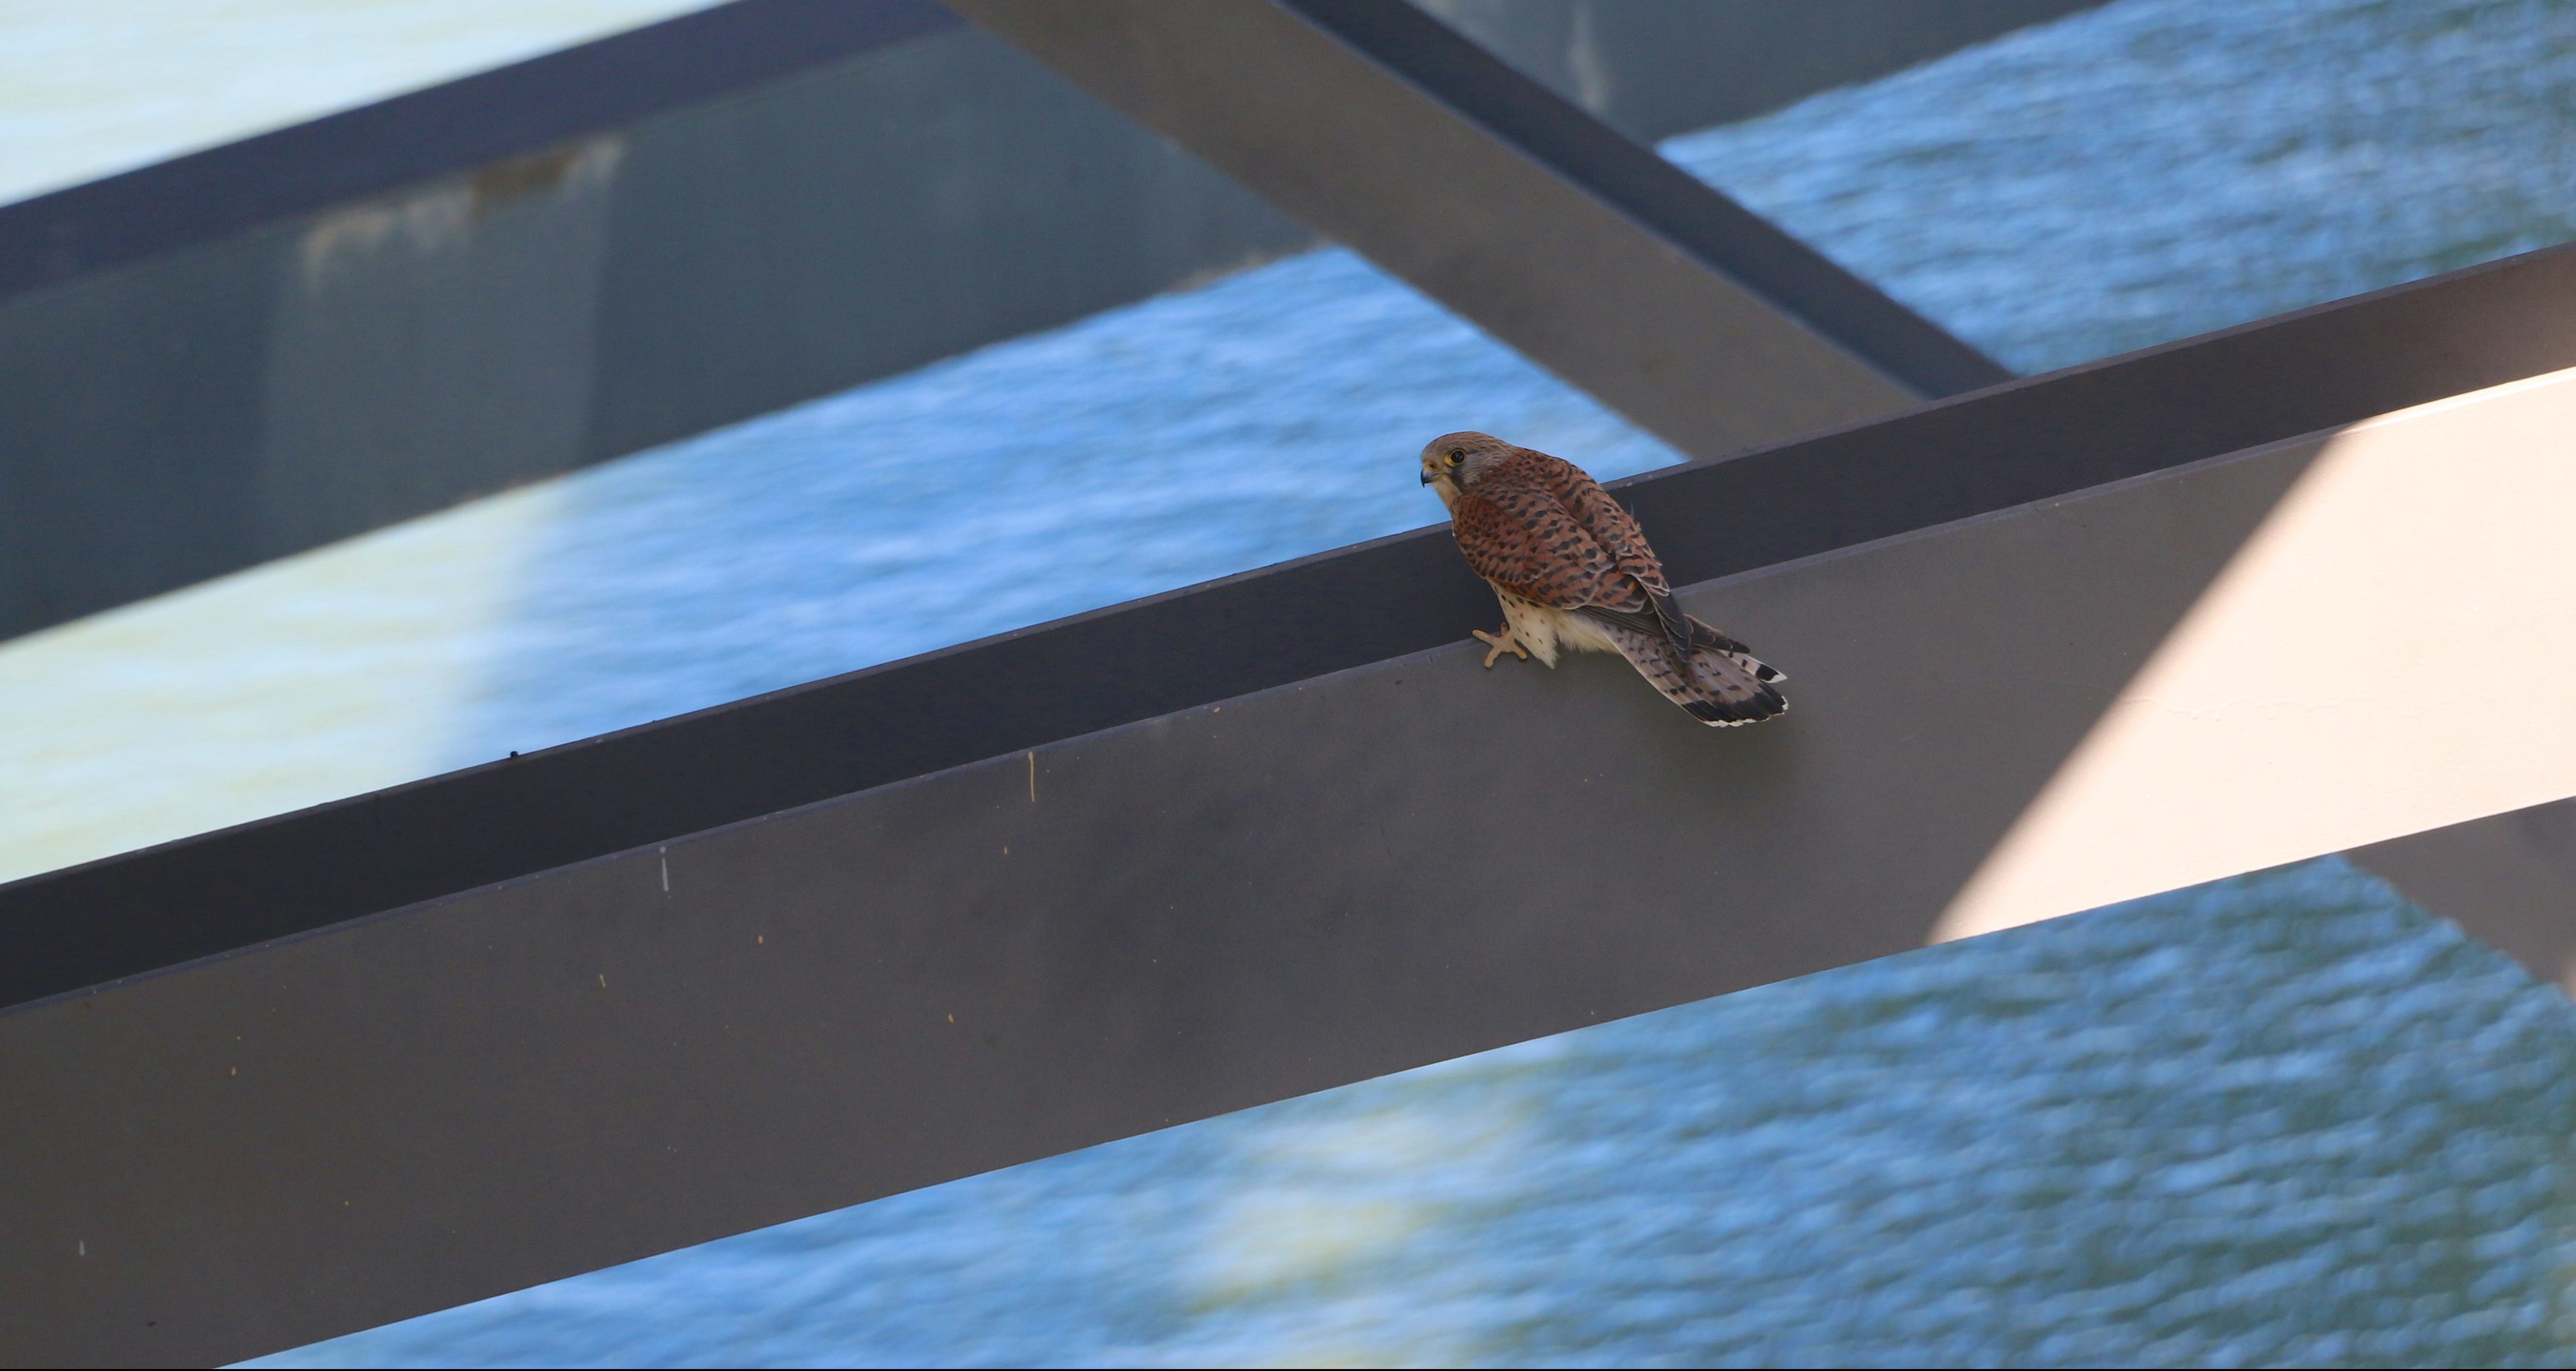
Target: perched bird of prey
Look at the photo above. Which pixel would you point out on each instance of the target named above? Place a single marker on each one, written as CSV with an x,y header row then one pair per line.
x,y
1573,571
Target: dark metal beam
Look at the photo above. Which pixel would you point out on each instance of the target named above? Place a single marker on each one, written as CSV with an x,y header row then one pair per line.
x,y
2508,881
802,196
1596,258
1654,68
1197,912
2048,436
245,352
454,127
1748,59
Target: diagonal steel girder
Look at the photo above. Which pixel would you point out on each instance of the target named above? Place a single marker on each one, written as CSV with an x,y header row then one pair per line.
x,y
1190,854
222,359
1592,256
1377,126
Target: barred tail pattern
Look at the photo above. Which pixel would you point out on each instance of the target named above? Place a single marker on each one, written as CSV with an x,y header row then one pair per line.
x,y
1717,681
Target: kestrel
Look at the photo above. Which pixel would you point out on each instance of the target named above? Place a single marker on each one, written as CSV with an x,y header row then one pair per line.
x,y
1573,571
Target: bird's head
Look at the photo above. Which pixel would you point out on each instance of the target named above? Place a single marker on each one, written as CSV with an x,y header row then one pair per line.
x,y
1454,462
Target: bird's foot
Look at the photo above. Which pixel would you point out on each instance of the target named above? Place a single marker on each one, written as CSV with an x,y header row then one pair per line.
x,y
1500,643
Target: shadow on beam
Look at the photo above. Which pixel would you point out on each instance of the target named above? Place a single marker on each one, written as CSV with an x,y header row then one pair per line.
x,y
2329,690
2509,880
696,1032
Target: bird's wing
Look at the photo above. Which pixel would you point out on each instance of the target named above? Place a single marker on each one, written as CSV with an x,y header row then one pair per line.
x,y
1602,516
1519,535
1608,523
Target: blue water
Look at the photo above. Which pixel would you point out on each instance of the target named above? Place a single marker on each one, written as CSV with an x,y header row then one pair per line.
x,y
2285,1117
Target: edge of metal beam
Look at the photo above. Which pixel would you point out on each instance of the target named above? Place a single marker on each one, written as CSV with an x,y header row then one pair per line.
x,y
1387,132
1562,44
461,125
1702,221
2031,440
188,397
1206,910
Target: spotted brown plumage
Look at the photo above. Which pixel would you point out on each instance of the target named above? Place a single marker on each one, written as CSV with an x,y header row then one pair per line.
x,y
1573,570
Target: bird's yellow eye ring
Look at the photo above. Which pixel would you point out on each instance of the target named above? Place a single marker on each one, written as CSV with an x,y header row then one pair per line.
x,y
1456,455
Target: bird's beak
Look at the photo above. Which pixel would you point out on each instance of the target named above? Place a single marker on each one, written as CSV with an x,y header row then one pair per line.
x,y
1426,478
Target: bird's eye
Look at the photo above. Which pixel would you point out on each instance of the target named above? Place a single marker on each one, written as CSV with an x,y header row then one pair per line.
x,y
1456,455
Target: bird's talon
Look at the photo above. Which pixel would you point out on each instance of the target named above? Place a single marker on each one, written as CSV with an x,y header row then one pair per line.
x,y
1498,644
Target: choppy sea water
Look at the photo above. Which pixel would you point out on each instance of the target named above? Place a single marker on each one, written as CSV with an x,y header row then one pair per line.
x,y
2279,1118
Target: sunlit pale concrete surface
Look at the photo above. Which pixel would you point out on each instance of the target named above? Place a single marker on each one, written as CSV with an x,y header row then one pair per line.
x,y
88,89
2391,651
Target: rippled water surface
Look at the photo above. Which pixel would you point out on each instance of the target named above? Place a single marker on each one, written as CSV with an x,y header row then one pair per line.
x,y
2280,1118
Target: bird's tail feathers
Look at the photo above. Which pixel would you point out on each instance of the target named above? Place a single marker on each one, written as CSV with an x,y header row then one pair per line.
x,y
1705,638
1717,685
1732,688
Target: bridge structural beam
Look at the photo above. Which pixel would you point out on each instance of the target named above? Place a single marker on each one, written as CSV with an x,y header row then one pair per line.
x,y
1592,256
985,947
1356,117
248,351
